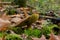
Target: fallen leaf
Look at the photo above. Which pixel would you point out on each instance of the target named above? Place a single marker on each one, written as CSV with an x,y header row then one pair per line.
x,y
35,38
53,37
4,24
42,38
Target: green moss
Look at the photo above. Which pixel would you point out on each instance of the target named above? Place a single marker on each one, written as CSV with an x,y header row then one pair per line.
x,y
18,30
33,32
11,11
46,30
13,37
1,34
56,30
33,18
21,3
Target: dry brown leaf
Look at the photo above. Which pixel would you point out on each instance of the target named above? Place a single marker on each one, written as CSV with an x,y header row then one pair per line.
x,y
5,17
59,36
4,24
53,37
42,38
16,20
0,38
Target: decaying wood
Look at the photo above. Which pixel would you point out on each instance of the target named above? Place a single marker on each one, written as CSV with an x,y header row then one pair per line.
x,y
5,21
22,20
14,20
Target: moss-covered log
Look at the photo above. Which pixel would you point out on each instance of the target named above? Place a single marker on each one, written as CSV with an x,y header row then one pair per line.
x,y
33,18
